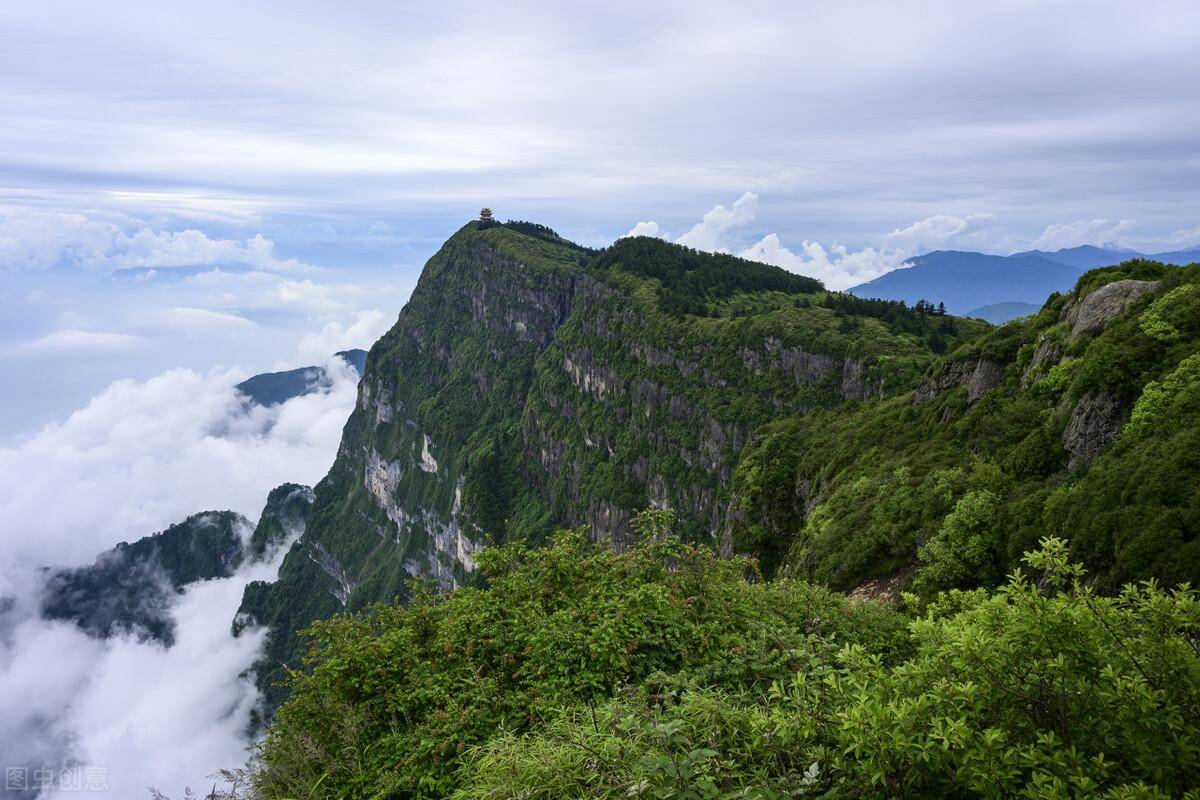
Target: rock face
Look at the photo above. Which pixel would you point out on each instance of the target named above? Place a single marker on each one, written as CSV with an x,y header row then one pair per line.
x,y
531,384
282,519
1089,316
979,375
1095,423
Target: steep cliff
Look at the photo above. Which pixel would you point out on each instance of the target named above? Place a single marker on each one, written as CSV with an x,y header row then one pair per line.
x,y
531,384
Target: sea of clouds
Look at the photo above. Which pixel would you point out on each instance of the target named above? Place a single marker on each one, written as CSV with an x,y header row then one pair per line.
x,y
124,713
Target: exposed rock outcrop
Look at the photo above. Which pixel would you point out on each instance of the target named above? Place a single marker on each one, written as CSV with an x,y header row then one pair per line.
x,y
980,376
1089,316
1095,423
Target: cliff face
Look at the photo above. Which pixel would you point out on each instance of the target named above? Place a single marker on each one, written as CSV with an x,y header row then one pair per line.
x,y
531,384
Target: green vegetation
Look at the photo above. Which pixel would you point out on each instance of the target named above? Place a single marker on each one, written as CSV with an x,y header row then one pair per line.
x,y
668,672
688,280
556,386
1091,437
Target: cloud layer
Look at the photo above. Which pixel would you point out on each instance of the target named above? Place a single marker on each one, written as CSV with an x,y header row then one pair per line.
x,y
139,456
142,455
32,239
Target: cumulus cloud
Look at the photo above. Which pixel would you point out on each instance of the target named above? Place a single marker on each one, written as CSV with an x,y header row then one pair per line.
x,y
143,714
711,233
34,239
648,228
75,340
138,457
1099,232
193,322
837,267
362,331
941,231
142,455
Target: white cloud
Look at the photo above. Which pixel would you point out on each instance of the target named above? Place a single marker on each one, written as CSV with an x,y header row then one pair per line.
x,y
711,233
648,228
941,231
361,332
193,322
264,290
75,340
139,456
34,239
142,455
1184,239
145,714
1099,232
837,267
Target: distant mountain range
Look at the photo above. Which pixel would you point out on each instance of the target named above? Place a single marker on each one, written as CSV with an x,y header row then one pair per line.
x,y
272,388
999,288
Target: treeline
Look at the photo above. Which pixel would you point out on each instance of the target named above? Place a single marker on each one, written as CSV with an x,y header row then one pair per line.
x,y
924,320
690,281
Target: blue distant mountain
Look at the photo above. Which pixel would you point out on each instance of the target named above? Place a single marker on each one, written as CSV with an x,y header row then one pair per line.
x,y
999,313
272,388
999,288
965,281
1084,257
1178,257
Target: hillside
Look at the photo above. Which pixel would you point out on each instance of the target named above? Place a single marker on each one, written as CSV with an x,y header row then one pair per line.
x,y
1000,313
272,388
1081,421
531,384
999,288
1084,257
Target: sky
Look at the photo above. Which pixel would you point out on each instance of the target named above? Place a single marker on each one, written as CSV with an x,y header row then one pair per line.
x,y
190,194
210,185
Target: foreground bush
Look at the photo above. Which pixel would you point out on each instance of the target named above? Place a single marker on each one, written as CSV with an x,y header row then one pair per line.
x,y
667,672
394,698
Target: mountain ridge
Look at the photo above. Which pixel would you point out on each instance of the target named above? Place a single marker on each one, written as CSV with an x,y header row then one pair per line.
x,y
967,280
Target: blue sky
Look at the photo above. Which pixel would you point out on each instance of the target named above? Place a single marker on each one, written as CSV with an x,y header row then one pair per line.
x,y
251,183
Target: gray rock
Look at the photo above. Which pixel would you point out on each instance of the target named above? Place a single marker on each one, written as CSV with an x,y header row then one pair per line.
x,y
980,376
1046,353
1095,423
1089,316
987,375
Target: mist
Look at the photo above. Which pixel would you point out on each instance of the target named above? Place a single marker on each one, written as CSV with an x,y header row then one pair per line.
x,y
115,716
